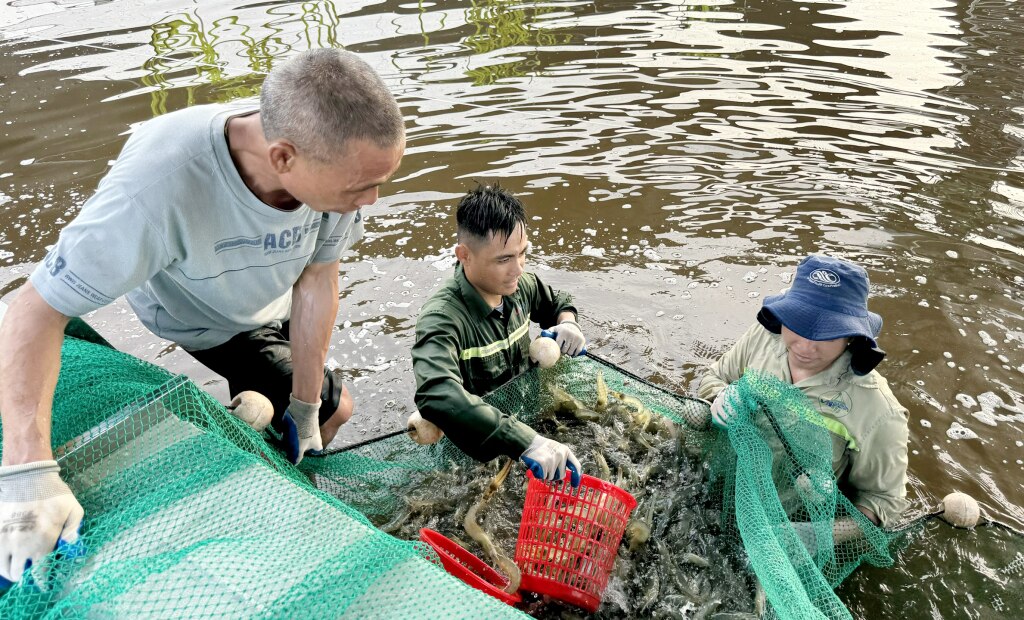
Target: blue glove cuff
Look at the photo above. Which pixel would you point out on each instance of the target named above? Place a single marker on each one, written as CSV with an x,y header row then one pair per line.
x,y
290,438
533,466
574,480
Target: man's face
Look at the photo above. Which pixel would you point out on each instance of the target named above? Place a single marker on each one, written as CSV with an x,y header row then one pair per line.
x,y
811,356
493,266
346,184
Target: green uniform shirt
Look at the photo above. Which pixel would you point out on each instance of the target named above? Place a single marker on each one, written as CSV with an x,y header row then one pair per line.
x,y
868,425
464,349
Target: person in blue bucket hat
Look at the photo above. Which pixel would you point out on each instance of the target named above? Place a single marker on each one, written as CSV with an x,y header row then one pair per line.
x,y
820,336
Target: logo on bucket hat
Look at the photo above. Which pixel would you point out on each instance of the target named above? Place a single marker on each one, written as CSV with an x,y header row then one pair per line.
x,y
824,277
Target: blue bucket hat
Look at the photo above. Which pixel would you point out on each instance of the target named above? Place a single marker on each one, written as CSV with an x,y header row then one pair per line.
x,y
828,300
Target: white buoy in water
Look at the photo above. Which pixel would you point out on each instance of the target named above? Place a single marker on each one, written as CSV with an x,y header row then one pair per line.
x,y
252,408
545,352
960,510
423,432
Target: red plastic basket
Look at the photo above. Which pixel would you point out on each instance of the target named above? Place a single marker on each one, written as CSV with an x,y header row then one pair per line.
x,y
568,538
467,567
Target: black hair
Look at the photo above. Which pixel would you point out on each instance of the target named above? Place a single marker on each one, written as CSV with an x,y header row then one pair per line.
x,y
489,209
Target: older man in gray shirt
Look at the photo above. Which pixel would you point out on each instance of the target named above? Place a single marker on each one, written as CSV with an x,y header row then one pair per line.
x,y
224,226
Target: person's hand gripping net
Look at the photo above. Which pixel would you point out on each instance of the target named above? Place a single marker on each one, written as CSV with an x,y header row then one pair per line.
x,y
38,513
301,429
569,338
722,409
549,460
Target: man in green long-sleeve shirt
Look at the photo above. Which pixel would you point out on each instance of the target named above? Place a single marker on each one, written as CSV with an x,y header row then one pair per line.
x,y
472,336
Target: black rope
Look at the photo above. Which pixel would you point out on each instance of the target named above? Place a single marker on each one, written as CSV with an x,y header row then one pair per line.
x,y
983,522
360,444
639,379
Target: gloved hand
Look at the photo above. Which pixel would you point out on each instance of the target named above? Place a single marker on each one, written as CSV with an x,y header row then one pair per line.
x,y
569,337
301,429
37,512
548,460
721,409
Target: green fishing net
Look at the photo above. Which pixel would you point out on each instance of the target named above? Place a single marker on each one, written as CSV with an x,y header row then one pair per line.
x,y
769,496
189,514
772,471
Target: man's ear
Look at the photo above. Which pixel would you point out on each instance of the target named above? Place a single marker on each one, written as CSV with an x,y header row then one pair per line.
x,y
282,156
461,252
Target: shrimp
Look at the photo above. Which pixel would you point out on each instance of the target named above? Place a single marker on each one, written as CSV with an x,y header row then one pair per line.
x,y
480,536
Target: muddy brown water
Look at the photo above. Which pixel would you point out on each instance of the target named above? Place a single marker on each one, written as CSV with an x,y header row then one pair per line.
x,y
676,160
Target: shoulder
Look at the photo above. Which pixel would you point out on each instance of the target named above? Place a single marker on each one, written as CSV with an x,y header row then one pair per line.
x,y
163,148
182,130
444,305
757,338
874,388
884,420
529,281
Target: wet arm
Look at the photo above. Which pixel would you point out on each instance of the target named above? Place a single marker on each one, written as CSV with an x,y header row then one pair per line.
x,y
30,342
314,311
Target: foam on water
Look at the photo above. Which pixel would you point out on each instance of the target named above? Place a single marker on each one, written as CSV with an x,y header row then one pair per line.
x,y
958,431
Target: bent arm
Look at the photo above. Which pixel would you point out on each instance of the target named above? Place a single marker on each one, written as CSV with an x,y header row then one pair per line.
x,y
475,427
314,310
728,368
30,341
548,306
878,473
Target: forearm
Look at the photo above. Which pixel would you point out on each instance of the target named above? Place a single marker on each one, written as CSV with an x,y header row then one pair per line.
x,y
566,315
870,514
548,307
30,341
731,366
314,311
711,385
477,428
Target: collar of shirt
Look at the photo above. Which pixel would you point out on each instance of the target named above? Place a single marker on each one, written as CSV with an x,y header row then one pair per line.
x,y
479,308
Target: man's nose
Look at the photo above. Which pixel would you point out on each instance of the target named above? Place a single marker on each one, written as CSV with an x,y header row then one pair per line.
x,y
368,197
804,345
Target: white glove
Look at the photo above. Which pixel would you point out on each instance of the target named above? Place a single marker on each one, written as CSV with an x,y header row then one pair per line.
x,y
548,460
423,431
569,337
301,429
36,510
722,408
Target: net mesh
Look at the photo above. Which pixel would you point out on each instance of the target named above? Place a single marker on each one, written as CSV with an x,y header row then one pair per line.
x,y
772,471
189,514
768,480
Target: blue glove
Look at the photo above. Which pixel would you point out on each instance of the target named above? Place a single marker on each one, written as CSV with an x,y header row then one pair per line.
x,y
549,460
722,411
301,429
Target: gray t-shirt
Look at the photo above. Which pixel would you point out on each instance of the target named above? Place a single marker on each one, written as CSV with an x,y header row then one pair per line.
x,y
173,226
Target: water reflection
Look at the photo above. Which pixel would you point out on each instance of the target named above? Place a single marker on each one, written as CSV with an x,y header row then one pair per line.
x,y
677,159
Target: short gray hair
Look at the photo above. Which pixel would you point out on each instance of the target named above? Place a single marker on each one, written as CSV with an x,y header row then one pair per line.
x,y
323,98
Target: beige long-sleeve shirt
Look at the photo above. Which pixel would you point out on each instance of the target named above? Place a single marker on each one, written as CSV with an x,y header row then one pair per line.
x,y
868,425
